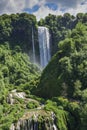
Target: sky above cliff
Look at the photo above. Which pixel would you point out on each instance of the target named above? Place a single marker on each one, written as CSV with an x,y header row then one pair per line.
x,y
41,8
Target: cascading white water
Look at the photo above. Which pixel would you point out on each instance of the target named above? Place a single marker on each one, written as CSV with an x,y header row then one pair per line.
x,y
33,46
31,121
44,45
54,127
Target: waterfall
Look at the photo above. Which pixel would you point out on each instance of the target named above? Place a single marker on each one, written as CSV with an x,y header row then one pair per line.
x,y
33,46
44,45
53,118
54,127
30,124
35,120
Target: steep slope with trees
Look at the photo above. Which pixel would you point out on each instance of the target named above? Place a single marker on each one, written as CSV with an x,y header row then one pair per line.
x,y
66,72
65,77
19,74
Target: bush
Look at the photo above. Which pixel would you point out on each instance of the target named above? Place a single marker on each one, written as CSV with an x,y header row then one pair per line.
x,y
32,105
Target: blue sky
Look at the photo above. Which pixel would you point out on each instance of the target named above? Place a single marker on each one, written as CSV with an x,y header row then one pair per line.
x,y
35,8
52,6
42,8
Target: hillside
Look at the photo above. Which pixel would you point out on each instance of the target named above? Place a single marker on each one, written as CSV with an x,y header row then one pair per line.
x,y
54,98
18,77
64,79
68,67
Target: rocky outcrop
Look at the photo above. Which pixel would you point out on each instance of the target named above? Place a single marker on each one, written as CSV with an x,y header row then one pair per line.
x,y
13,94
36,120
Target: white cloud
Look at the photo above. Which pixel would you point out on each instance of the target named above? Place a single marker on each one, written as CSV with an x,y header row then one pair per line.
x,y
44,11
66,3
30,3
80,9
15,6
11,6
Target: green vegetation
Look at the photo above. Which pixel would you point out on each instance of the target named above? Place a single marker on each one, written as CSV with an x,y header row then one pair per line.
x,y
62,86
16,72
66,73
16,29
66,76
64,119
32,104
60,26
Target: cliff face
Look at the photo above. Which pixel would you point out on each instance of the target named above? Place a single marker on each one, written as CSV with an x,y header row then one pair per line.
x,y
36,120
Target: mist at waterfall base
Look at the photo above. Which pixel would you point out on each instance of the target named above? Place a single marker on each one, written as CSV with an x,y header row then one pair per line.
x,y
44,47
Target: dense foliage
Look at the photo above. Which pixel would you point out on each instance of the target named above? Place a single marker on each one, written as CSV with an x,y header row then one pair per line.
x,y
67,70
16,72
66,75
63,81
17,29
